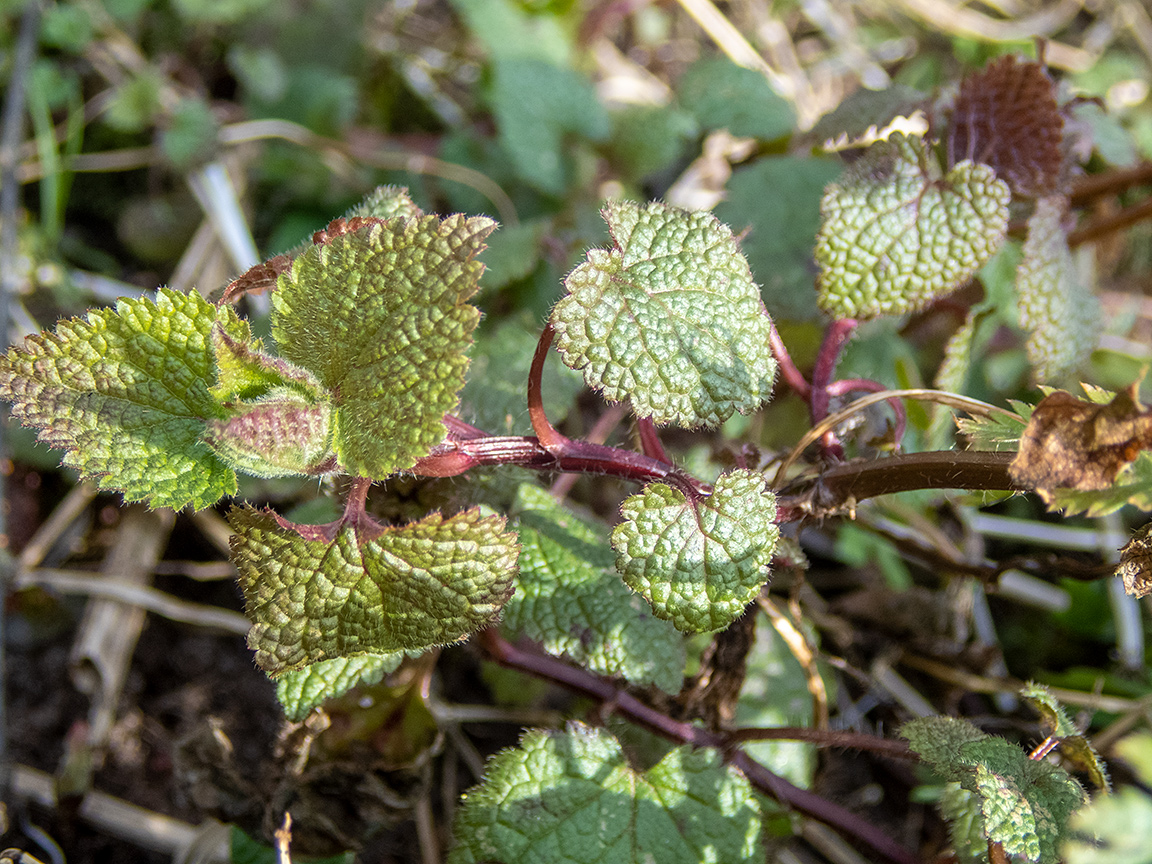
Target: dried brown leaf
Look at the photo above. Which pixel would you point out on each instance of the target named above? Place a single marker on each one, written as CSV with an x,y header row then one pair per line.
x,y
1072,443
1006,116
1136,563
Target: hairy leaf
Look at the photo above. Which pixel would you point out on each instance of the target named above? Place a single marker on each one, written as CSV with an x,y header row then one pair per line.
x,y
573,797
301,690
125,392
378,315
961,810
277,435
699,563
1025,803
996,431
1056,306
245,371
1074,745
1006,117
669,319
897,235
351,591
570,599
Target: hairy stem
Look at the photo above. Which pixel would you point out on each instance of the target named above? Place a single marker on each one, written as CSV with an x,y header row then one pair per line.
x,y
551,440
835,337
620,701
650,440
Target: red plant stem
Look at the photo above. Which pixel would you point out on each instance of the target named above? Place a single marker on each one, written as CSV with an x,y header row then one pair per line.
x,y
620,701
598,434
650,440
788,370
847,385
835,338
551,440
825,738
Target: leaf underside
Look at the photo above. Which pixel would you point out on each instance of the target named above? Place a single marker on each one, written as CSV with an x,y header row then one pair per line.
x,y
573,797
301,690
897,235
1056,306
125,392
570,599
698,564
379,316
422,584
669,319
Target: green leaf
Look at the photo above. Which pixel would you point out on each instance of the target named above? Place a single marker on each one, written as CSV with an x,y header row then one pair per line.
x,y
190,137
496,397
866,109
699,563
351,591
723,95
301,690
1056,305
777,199
996,431
278,435
961,810
125,393
1113,829
537,105
570,600
573,797
669,319
1132,486
896,234
378,315
938,741
386,202
244,371
1025,803
650,138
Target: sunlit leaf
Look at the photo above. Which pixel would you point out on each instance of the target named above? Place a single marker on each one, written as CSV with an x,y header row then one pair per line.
x,y
897,234
574,797
699,562
125,392
669,319
349,592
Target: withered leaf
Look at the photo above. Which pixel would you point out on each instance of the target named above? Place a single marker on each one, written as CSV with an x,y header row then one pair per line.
x,y
1136,563
1007,116
1072,443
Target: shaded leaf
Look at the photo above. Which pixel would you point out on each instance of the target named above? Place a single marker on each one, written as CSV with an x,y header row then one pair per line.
x,y
896,234
866,109
125,392
669,319
570,599
301,690
699,563
1056,307
351,591
1006,117
391,296
1074,745
996,431
774,204
1079,444
961,810
573,797
723,95
1135,567
538,104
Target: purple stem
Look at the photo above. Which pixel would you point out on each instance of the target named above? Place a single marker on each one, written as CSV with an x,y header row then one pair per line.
x,y
835,338
624,703
788,370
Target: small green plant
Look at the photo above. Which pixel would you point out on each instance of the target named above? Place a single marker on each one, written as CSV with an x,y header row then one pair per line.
x,y
166,399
